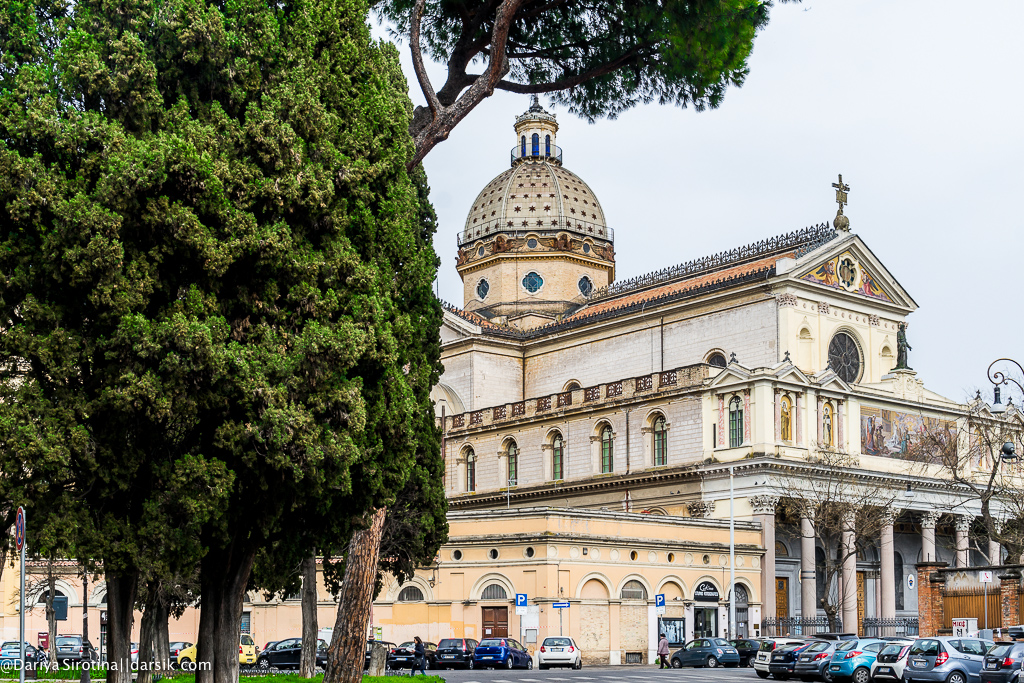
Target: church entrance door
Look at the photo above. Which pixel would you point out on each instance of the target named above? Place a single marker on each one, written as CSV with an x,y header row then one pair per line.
x,y
781,597
495,622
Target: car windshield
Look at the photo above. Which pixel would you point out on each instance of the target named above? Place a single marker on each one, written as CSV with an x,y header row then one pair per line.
x,y
72,640
997,651
819,647
493,642
411,644
557,642
450,642
10,644
925,647
846,645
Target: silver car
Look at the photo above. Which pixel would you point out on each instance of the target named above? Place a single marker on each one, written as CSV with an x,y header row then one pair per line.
x,y
946,660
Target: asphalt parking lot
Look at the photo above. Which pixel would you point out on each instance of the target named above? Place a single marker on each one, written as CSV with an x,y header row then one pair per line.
x,y
604,674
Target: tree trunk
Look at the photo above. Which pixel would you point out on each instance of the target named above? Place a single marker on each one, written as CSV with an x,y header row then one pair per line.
x,y
347,654
121,593
51,614
204,639
225,575
307,666
161,630
146,633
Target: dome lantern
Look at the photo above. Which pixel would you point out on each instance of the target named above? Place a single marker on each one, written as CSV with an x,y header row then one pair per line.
x,y
536,129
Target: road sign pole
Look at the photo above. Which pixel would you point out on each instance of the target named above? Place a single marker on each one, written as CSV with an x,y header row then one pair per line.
x,y
560,623
21,593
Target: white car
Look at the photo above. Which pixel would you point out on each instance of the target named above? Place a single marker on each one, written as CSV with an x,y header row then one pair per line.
x,y
559,651
889,664
764,654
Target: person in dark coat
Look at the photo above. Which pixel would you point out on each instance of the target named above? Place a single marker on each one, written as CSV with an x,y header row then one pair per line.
x,y
663,653
419,662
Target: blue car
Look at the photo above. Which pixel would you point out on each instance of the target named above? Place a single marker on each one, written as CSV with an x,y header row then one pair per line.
x,y
709,652
504,653
853,658
10,653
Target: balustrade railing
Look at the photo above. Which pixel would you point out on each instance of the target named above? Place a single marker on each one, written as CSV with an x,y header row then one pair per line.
x,y
881,628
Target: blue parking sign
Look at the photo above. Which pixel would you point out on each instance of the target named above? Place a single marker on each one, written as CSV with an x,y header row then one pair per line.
x,y
659,600
520,599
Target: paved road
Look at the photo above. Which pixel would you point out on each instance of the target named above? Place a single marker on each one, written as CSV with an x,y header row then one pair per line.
x,y
604,674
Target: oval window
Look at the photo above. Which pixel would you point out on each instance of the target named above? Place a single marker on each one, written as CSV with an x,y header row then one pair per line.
x,y
529,552
533,282
586,248
585,285
531,243
480,251
492,553
482,288
456,555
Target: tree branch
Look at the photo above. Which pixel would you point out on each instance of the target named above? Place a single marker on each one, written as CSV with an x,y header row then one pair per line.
x,y
417,59
570,82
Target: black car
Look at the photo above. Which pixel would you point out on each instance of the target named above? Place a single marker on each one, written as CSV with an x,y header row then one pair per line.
x,y
389,646
747,649
404,656
782,664
1003,663
455,652
287,654
812,664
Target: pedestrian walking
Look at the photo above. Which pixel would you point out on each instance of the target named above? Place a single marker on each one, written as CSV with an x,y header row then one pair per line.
x,y
663,653
419,662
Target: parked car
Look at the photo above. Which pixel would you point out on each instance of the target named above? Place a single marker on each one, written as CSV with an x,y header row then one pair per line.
x,y
559,651
389,646
455,652
890,662
135,653
268,645
709,652
853,658
287,654
1002,663
10,651
404,656
953,660
69,649
246,653
747,650
764,653
812,664
783,661
506,653
176,648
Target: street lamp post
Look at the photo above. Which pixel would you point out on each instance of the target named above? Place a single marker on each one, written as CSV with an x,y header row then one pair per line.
x,y
1008,451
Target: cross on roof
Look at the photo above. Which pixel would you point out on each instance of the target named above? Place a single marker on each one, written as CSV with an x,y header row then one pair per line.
x,y
841,190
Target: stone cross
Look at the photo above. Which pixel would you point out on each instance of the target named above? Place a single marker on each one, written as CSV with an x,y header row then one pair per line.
x,y
841,190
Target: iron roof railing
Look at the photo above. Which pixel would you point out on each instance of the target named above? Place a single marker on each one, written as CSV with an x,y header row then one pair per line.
x,y
543,153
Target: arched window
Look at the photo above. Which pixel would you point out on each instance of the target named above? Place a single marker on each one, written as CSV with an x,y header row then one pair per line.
x,y
735,422
717,360
742,599
633,590
607,451
470,470
44,594
897,566
660,441
557,457
494,592
410,594
781,550
826,425
547,145
513,463
819,576
535,145
523,146
787,419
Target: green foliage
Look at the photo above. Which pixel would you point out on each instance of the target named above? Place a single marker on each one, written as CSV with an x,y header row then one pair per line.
x,y
597,59
215,276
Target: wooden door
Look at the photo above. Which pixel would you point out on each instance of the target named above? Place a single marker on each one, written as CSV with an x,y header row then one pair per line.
x,y
861,599
495,622
781,597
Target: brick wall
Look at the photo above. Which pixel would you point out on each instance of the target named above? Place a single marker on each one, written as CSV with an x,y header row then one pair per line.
x,y
929,597
1009,601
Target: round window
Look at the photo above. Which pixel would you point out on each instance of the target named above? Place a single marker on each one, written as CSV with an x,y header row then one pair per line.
x,y
586,248
529,552
480,251
482,288
848,273
533,282
531,243
492,553
844,357
456,555
585,285
706,559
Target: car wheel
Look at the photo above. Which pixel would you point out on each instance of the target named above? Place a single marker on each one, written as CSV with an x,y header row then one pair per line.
x,y
862,675
826,675
529,663
956,677
508,662
677,664
761,674
579,664
712,662
185,664
471,665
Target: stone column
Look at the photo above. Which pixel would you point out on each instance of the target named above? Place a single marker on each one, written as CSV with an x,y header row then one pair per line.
x,y
963,525
850,575
1009,584
808,588
928,521
888,568
840,426
764,512
746,417
720,441
818,422
778,416
798,419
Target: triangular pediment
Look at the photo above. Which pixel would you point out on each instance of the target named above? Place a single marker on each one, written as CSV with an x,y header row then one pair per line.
x,y
732,374
846,265
787,372
828,379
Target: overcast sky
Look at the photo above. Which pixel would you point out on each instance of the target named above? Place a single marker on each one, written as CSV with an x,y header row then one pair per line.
x,y
919,104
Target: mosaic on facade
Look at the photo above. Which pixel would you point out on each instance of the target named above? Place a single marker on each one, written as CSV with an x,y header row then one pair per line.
x,y
895,434
843,272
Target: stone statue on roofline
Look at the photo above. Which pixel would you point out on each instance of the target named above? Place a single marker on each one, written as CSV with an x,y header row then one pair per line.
x,y
901,348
